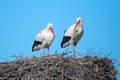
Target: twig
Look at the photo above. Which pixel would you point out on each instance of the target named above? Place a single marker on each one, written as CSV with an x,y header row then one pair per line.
x,y
65,53
4,58
56,65
109,54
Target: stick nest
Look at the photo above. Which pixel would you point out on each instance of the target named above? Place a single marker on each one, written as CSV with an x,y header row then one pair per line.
x,y
57,67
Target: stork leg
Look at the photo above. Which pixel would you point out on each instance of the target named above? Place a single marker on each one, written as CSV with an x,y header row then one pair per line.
x,y
48,51
43,52
74,51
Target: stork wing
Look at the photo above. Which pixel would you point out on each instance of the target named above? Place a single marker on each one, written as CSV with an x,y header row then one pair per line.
x,y
38,41
68,34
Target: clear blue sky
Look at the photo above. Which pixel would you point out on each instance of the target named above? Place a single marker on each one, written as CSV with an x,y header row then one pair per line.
x,y
21,20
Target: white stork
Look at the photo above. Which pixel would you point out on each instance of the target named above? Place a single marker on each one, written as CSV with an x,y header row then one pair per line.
x,y
72,35
44,39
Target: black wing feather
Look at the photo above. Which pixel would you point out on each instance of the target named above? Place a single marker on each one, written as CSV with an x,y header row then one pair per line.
x,y
65,39
36,43
65,30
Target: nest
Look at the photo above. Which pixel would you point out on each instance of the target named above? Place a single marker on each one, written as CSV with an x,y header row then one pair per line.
x,y
57,67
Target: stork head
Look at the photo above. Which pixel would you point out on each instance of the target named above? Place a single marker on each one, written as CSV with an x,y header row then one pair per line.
x,y
79,21
50,27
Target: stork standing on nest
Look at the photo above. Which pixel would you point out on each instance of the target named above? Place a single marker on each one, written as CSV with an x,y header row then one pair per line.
x,y
44,39
72,35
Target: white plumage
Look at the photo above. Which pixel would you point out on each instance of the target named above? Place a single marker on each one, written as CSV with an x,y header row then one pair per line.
x,y
44,38
72,35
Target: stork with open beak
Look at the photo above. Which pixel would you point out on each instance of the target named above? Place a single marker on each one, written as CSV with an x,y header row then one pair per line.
x,y
44,39
72,35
